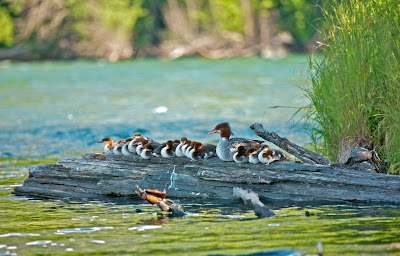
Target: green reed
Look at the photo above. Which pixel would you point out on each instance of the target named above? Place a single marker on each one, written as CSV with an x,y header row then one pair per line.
x,y
355,85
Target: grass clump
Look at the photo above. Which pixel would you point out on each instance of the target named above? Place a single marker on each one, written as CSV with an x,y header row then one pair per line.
x,y
355,85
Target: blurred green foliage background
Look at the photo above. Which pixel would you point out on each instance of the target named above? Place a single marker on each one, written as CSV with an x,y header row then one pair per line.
x,y
127,28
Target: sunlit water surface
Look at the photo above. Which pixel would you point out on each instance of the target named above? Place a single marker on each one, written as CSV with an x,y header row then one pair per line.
x,y
53,110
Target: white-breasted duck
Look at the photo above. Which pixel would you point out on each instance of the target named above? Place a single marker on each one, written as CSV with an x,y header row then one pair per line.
x,y
178,150
140,145
109,146
252,155
268,155
147,151
184,147
190,147
117,149
201,151
227,146
136,138
125,151
168,150
240,156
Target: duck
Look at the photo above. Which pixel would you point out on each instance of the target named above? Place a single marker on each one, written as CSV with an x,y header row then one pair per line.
x,y
240,156
136,138
227,146
190,147
157,150
140,145
252,155
168,150
178,150
125,151
117,149
109,146
201,151
267,155
147,151
185,146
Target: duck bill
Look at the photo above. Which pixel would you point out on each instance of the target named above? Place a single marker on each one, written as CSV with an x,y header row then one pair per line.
x,y
213,131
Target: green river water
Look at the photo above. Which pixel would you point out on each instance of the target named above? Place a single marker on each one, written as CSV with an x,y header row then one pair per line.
x,y
57,110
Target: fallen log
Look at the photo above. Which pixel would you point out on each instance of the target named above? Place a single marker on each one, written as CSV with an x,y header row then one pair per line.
x,y
305,155
97,176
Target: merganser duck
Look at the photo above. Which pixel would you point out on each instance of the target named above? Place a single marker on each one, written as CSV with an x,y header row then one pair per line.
x,y
168,150
125,151
140,145
108,147
194,153
178,150
117,149
147,151
252,155
157,150
184,147
201,151
240,156
190,147
227,147
268,155
137,137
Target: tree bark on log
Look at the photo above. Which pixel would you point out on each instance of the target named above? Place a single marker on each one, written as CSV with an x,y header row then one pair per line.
x,y
305,155
93,176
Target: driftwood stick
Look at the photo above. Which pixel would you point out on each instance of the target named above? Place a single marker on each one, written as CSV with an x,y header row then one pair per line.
x,y
305,155
252,200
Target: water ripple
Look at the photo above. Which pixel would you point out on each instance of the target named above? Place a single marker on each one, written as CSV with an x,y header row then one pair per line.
x,y
19,234
80,230
146,227
39,242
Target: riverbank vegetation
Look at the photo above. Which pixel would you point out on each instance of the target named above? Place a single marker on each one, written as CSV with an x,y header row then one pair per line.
x,y
355,86
64,29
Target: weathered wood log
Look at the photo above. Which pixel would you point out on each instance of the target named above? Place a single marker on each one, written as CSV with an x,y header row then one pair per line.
x,y
93,177
305,155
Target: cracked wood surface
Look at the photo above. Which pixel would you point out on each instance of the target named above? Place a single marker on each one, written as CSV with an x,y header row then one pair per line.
x,y
94,176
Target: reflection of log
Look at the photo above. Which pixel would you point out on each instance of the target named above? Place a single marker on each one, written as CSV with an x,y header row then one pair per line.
x,y
93,177
305,155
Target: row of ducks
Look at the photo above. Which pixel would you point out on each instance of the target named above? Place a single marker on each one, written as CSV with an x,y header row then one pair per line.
x,y
240,150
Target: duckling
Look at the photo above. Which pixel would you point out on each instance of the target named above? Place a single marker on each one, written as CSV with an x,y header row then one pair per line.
x,y
268,155
240,156
147,151
140,145
108,147
136,138
252,154
117,149
184,147
168,151
178,150
125,151
190,147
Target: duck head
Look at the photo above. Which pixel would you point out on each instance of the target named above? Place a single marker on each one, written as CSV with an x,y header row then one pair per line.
x,y
170,144
108,140
240,151
224,129
251,151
